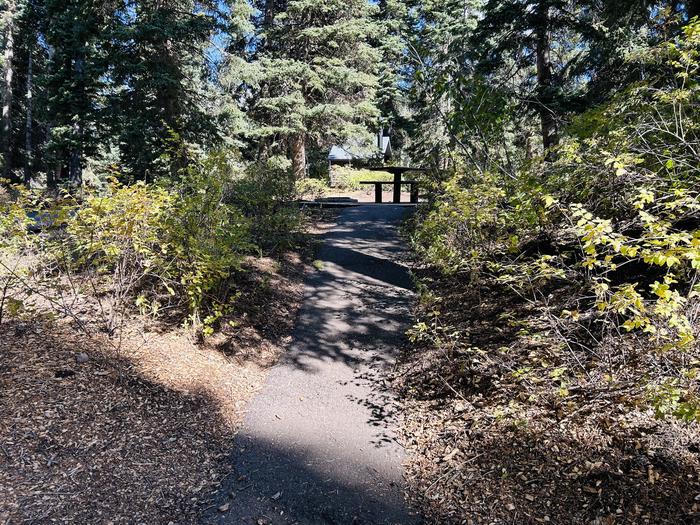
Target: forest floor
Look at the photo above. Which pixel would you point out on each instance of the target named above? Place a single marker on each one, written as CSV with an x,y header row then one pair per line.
x,y
488,446
97,431
143,432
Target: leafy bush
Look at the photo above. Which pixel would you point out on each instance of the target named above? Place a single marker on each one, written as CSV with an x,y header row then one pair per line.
x,y
345,178
670,254
463,226
311,188
266,194
629,178
612,222
208,236
155,246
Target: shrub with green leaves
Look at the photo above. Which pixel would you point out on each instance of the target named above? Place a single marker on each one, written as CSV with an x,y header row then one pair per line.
x,y
149,245
464,225
266,194
347,178
611,220
311,188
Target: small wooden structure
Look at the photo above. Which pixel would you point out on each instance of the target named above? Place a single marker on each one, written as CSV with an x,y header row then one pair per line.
x,y
357,152
397,172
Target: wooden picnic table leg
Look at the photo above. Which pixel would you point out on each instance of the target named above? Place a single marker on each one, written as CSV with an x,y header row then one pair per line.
x,y
414,193
378,192
397,188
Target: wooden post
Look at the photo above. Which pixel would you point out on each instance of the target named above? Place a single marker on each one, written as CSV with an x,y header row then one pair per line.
x,y
378,192
414,193
397,188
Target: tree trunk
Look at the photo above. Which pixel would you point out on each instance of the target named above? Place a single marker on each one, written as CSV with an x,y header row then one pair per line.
x,y
550,137
53,170
298,149
692,8
54,176
75,168
28,143
7,93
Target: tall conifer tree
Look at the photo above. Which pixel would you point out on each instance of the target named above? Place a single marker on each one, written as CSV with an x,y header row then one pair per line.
x,y
314,74
158,51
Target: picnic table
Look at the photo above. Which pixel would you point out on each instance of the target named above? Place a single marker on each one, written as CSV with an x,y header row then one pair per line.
x,y
397,183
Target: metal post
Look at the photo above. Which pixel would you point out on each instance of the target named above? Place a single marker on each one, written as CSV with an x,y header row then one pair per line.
x,y
378,192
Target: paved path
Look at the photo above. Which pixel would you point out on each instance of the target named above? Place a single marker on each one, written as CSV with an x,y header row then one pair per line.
x,y
317,445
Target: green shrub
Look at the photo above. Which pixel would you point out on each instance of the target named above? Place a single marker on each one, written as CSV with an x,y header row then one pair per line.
x,y
155,246
345,178
311,188
611,222
463,226
266,193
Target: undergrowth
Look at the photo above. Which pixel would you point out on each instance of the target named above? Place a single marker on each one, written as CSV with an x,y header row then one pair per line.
x,y
170,250
347,178
604,240
555,363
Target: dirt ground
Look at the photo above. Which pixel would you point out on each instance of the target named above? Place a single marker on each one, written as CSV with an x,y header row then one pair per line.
x,y
139,432
98,441
363,195
490,444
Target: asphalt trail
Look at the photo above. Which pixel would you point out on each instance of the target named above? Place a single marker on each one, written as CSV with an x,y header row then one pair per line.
x,y
317,445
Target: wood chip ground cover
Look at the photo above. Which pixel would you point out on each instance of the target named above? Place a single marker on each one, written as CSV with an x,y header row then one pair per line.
x,y
489,446
81,444
88,436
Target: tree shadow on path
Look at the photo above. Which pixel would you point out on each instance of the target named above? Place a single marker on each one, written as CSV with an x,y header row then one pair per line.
x,y
318,444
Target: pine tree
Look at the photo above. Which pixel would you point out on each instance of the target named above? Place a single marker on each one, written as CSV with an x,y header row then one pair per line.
x,y
10,16
392,17
86,77
521,32
437,36
158,55
313,77
516,41
74,82
33,56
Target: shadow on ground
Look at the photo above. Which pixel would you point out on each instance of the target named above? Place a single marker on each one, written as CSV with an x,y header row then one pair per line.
x,y
318,444
361,294
321,494
83,441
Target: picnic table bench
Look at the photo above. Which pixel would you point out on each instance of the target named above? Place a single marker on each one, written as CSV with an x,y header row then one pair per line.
x,y
397,172
379,194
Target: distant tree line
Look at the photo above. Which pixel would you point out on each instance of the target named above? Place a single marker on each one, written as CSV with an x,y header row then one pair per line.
x,y
128,87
